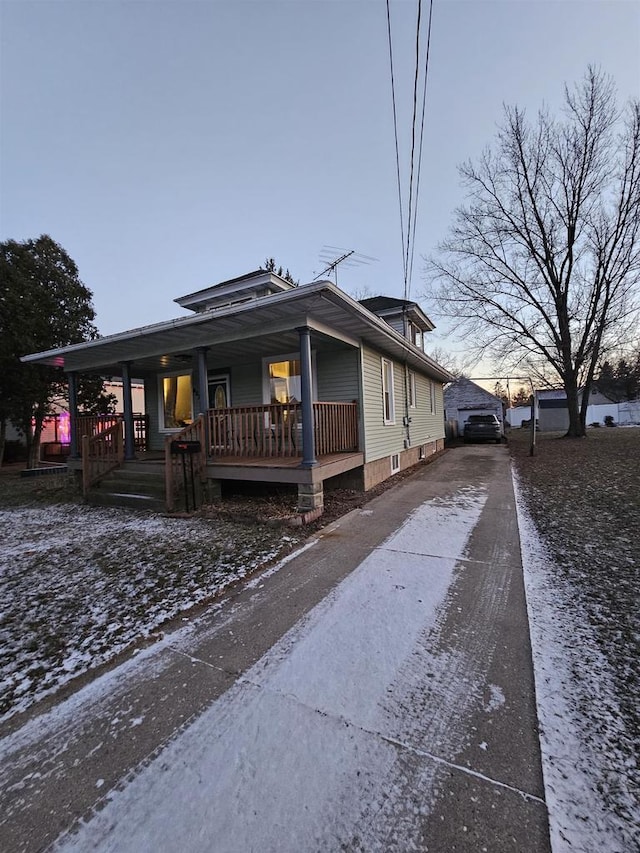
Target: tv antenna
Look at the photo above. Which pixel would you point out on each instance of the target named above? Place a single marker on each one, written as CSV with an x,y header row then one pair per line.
x,y
347,257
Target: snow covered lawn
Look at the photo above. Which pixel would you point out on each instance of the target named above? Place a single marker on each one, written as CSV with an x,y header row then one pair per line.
x,y
579,516
80,584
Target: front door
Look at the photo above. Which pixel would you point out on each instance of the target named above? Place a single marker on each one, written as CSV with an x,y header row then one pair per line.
x,y
219,394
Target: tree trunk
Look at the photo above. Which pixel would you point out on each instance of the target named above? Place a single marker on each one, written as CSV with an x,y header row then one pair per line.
x,y
576,425
33,446
3,436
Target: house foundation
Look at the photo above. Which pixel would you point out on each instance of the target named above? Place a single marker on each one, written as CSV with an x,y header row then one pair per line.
x,y
310,497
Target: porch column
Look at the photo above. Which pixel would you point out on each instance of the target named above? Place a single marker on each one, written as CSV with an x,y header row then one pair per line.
x,y
203,386
72,378
308,430
129,435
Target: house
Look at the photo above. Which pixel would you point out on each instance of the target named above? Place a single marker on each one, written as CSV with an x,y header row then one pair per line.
x,y
554,413
463,398
267,381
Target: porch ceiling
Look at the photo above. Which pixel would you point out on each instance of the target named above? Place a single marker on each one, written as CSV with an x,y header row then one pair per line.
x,y
265,326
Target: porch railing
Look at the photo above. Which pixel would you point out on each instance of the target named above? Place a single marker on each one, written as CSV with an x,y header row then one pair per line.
x,y
101,453
174,470
94,424
275,430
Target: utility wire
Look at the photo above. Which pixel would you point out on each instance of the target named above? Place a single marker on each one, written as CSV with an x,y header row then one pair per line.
x,y
413,146
424,101
408,236
395,130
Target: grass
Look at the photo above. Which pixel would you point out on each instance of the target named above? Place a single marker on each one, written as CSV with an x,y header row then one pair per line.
x,y
79,584
584,496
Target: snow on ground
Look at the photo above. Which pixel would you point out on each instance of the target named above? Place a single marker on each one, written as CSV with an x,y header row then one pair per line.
x,y
314,747
80,584
592,806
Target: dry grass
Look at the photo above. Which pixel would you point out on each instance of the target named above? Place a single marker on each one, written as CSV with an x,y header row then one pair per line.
x,y
584,495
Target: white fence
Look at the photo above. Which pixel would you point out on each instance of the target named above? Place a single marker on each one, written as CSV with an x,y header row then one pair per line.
x,y
622,413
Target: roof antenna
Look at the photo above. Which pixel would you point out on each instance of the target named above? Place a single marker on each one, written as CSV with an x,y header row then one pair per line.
x,y
352,258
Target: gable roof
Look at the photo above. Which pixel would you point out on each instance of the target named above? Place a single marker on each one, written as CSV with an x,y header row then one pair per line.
x,y
388,306
235,290
463,394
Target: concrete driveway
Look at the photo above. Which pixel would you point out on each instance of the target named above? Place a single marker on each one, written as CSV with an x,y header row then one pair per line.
x,y
375,693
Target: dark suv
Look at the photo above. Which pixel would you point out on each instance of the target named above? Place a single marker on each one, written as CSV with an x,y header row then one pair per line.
x,y
482,428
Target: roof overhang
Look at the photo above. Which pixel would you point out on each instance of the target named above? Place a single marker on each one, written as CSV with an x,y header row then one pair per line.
x,y
242,332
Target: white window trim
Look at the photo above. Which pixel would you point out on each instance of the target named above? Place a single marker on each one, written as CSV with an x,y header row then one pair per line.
x,y
412,390
432,397
395,463
288,356
161,427
392,403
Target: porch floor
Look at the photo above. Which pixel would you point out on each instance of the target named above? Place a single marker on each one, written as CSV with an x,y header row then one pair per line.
x,y
286,469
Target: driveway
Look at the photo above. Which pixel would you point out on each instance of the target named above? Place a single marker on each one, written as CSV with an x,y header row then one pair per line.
x,y
374,693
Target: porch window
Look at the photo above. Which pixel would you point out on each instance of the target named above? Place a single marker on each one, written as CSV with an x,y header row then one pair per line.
x,y
177,401
388,404
284,381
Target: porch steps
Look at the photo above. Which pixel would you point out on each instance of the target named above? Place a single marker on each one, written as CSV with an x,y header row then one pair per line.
x,y
137,484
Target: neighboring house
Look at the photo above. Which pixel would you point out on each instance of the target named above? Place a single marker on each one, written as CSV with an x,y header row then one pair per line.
x,y
553,413
463,398
279,383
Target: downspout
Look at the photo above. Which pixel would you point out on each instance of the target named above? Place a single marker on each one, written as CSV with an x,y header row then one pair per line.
x,y
407,418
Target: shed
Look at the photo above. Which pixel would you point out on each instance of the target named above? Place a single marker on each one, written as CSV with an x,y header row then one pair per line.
x,y
463,398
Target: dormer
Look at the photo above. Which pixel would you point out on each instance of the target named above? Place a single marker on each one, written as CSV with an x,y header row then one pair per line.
x,y
404,316
253,285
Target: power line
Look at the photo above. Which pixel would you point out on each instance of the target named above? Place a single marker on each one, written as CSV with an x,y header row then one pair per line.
x,y
424,101
395,130
413,146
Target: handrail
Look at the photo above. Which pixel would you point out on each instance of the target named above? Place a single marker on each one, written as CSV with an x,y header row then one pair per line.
x,y
101,454
275,429
173,463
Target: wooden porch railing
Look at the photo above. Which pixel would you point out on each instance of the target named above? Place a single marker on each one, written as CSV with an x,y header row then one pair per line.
x,y
174,471
276,430
336,427
94,424
101,453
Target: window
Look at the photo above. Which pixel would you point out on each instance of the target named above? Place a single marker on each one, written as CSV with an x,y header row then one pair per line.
x,y
411,390
415,335
284,381
388,403
176,401
395,463
432,397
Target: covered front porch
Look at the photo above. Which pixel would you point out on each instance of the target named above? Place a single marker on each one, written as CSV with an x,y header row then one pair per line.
x,y
263,443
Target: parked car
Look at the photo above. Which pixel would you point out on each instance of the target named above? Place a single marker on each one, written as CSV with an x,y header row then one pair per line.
x,y
482,428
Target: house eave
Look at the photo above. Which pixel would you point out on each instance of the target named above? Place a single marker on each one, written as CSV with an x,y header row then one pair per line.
x,y
242,323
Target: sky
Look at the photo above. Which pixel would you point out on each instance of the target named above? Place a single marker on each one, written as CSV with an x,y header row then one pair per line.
x,y
168,146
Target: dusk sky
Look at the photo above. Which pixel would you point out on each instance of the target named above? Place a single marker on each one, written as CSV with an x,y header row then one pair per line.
x,y
171,145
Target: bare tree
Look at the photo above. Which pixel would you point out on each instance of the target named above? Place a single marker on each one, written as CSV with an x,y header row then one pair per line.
x,y
542,265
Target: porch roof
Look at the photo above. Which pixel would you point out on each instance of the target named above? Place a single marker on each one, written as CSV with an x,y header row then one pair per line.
x,y
254,329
